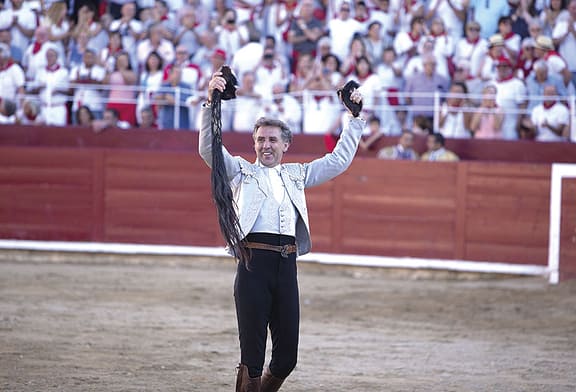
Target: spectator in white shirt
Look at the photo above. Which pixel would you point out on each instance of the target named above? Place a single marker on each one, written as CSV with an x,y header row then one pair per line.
x,y
155,43
21,21
51,83
91,75
12,78
550,120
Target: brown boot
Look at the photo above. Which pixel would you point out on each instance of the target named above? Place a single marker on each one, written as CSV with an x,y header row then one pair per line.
x,y
245,383
270,383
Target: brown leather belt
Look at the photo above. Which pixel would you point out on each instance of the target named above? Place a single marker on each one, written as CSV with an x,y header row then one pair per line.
x,y
284,250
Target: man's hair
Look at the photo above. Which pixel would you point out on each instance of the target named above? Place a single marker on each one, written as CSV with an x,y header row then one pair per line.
x,y
114,112
462,85
374,118
504,19
438,138
9,107
285,132
540,64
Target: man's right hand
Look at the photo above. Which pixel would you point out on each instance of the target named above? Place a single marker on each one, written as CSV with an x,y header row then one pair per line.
x,y
217,82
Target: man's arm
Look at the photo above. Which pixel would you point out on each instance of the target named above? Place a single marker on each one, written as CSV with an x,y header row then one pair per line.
x,y
335,163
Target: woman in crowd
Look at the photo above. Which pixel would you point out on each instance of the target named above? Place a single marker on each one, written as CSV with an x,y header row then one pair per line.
x,y
486,122
84,116
150,82
122,93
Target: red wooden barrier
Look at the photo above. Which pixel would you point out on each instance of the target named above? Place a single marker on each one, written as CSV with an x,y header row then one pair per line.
x,y
152,187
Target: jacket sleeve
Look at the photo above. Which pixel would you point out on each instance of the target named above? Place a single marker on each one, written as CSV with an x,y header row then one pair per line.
x,y
205,145
335,163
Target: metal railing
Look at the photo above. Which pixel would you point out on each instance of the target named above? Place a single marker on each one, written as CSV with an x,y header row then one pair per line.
x,y
379,102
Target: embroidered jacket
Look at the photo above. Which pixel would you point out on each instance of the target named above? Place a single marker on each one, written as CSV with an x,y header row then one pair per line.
x,y
249,185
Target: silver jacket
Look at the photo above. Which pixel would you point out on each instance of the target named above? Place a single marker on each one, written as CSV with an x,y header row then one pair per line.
x,y
249,185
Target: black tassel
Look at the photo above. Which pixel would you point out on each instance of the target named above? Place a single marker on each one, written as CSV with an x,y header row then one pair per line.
x,y
221,191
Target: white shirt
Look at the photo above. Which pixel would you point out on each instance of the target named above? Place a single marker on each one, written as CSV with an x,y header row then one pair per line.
x,y
128,41
11,79
33,62
266,78
341,33
165,50
26,19
555,116
278,214
89,96
567,48
454,26
247,58
453,124
52,80
246,113
319,114
387,22
472,52
370,90
509,95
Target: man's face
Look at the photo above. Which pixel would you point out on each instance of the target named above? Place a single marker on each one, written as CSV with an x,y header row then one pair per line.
x,y
550,93
429,66
89,59
109,118
572,9
406,140
51,57
503,71
431,143
269,146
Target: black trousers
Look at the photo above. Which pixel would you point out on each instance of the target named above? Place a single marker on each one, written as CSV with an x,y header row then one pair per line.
x,y
266,296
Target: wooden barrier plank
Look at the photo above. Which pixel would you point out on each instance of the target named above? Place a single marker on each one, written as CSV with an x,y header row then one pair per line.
x,y
398,248
516,254
46,193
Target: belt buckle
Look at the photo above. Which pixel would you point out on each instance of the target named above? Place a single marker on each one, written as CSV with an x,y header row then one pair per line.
x,y
284,251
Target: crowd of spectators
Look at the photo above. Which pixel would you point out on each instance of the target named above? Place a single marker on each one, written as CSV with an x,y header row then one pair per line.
x,y
504,69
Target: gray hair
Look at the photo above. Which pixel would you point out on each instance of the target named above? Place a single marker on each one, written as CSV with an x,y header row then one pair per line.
x,y
540,65
285,132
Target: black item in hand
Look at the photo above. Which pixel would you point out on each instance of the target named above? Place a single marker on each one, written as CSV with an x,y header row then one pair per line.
x,y
231,83
221,191
344,94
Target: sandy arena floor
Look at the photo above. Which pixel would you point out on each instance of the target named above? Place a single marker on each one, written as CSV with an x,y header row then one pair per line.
x,y
110,323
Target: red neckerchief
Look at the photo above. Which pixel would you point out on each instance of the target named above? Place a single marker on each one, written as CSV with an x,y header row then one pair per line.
x,y
53,68
8,64
414,38
269,67
167,72
507,78
164,17
114,51
551,53
549,104
473,41
31,117
36,48
508,36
